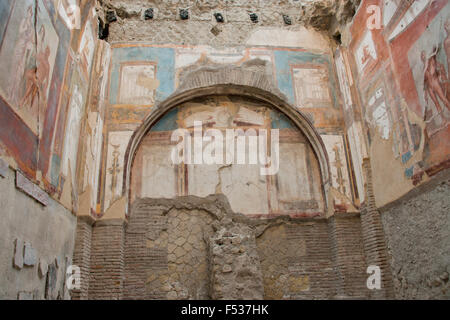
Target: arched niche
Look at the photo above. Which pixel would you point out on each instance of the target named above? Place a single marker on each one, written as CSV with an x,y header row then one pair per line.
x,y
245,82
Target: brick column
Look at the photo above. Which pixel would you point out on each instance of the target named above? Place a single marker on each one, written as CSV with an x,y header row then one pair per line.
x,y
348,256
107,260
82,254
373,238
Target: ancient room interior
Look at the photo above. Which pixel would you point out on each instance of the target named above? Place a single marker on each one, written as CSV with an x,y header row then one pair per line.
x,y
346,101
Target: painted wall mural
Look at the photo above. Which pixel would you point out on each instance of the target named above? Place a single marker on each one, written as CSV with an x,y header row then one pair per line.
x,y
141,76
33,61
296,189
402,72
137,84
73,126
312,86
340,177
366,52
116,148
86,49
93,129
43,101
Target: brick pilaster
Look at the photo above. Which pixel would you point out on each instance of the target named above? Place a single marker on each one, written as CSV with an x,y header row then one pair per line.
x,y
373,238
82,255
348,256
107,260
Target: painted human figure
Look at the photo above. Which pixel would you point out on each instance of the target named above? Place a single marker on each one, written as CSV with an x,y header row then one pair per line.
x,y
434,77
37,79
23,53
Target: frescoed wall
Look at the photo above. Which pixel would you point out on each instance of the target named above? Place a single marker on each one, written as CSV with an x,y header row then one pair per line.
x,y
70,104
53,102
46,56
295,189
401,73
142,76
366,100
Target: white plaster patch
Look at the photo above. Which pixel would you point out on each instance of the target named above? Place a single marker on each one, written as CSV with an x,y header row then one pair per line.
x,y
301,38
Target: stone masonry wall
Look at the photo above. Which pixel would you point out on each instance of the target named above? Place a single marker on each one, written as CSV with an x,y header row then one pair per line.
x,y
130,20
235,266
166,254
417,230
374,239
197,248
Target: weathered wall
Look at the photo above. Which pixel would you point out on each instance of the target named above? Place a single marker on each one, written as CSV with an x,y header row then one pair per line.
x,y
166,253
144,75
397,85
197,248
237,28
184,248
296,261
43,107
106,276
51,127
417,231
394,80
313,259
294,188
73,102
36,244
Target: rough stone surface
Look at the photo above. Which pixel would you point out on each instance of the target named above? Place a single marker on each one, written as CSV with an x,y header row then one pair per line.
x,y
298,260
374,239
107,261
418,239
197,248
235,264
168,26
348,256
82,256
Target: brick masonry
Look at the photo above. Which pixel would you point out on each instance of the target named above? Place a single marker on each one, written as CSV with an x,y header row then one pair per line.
x,y
107,260
373,238
348,256
82,256
197,248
